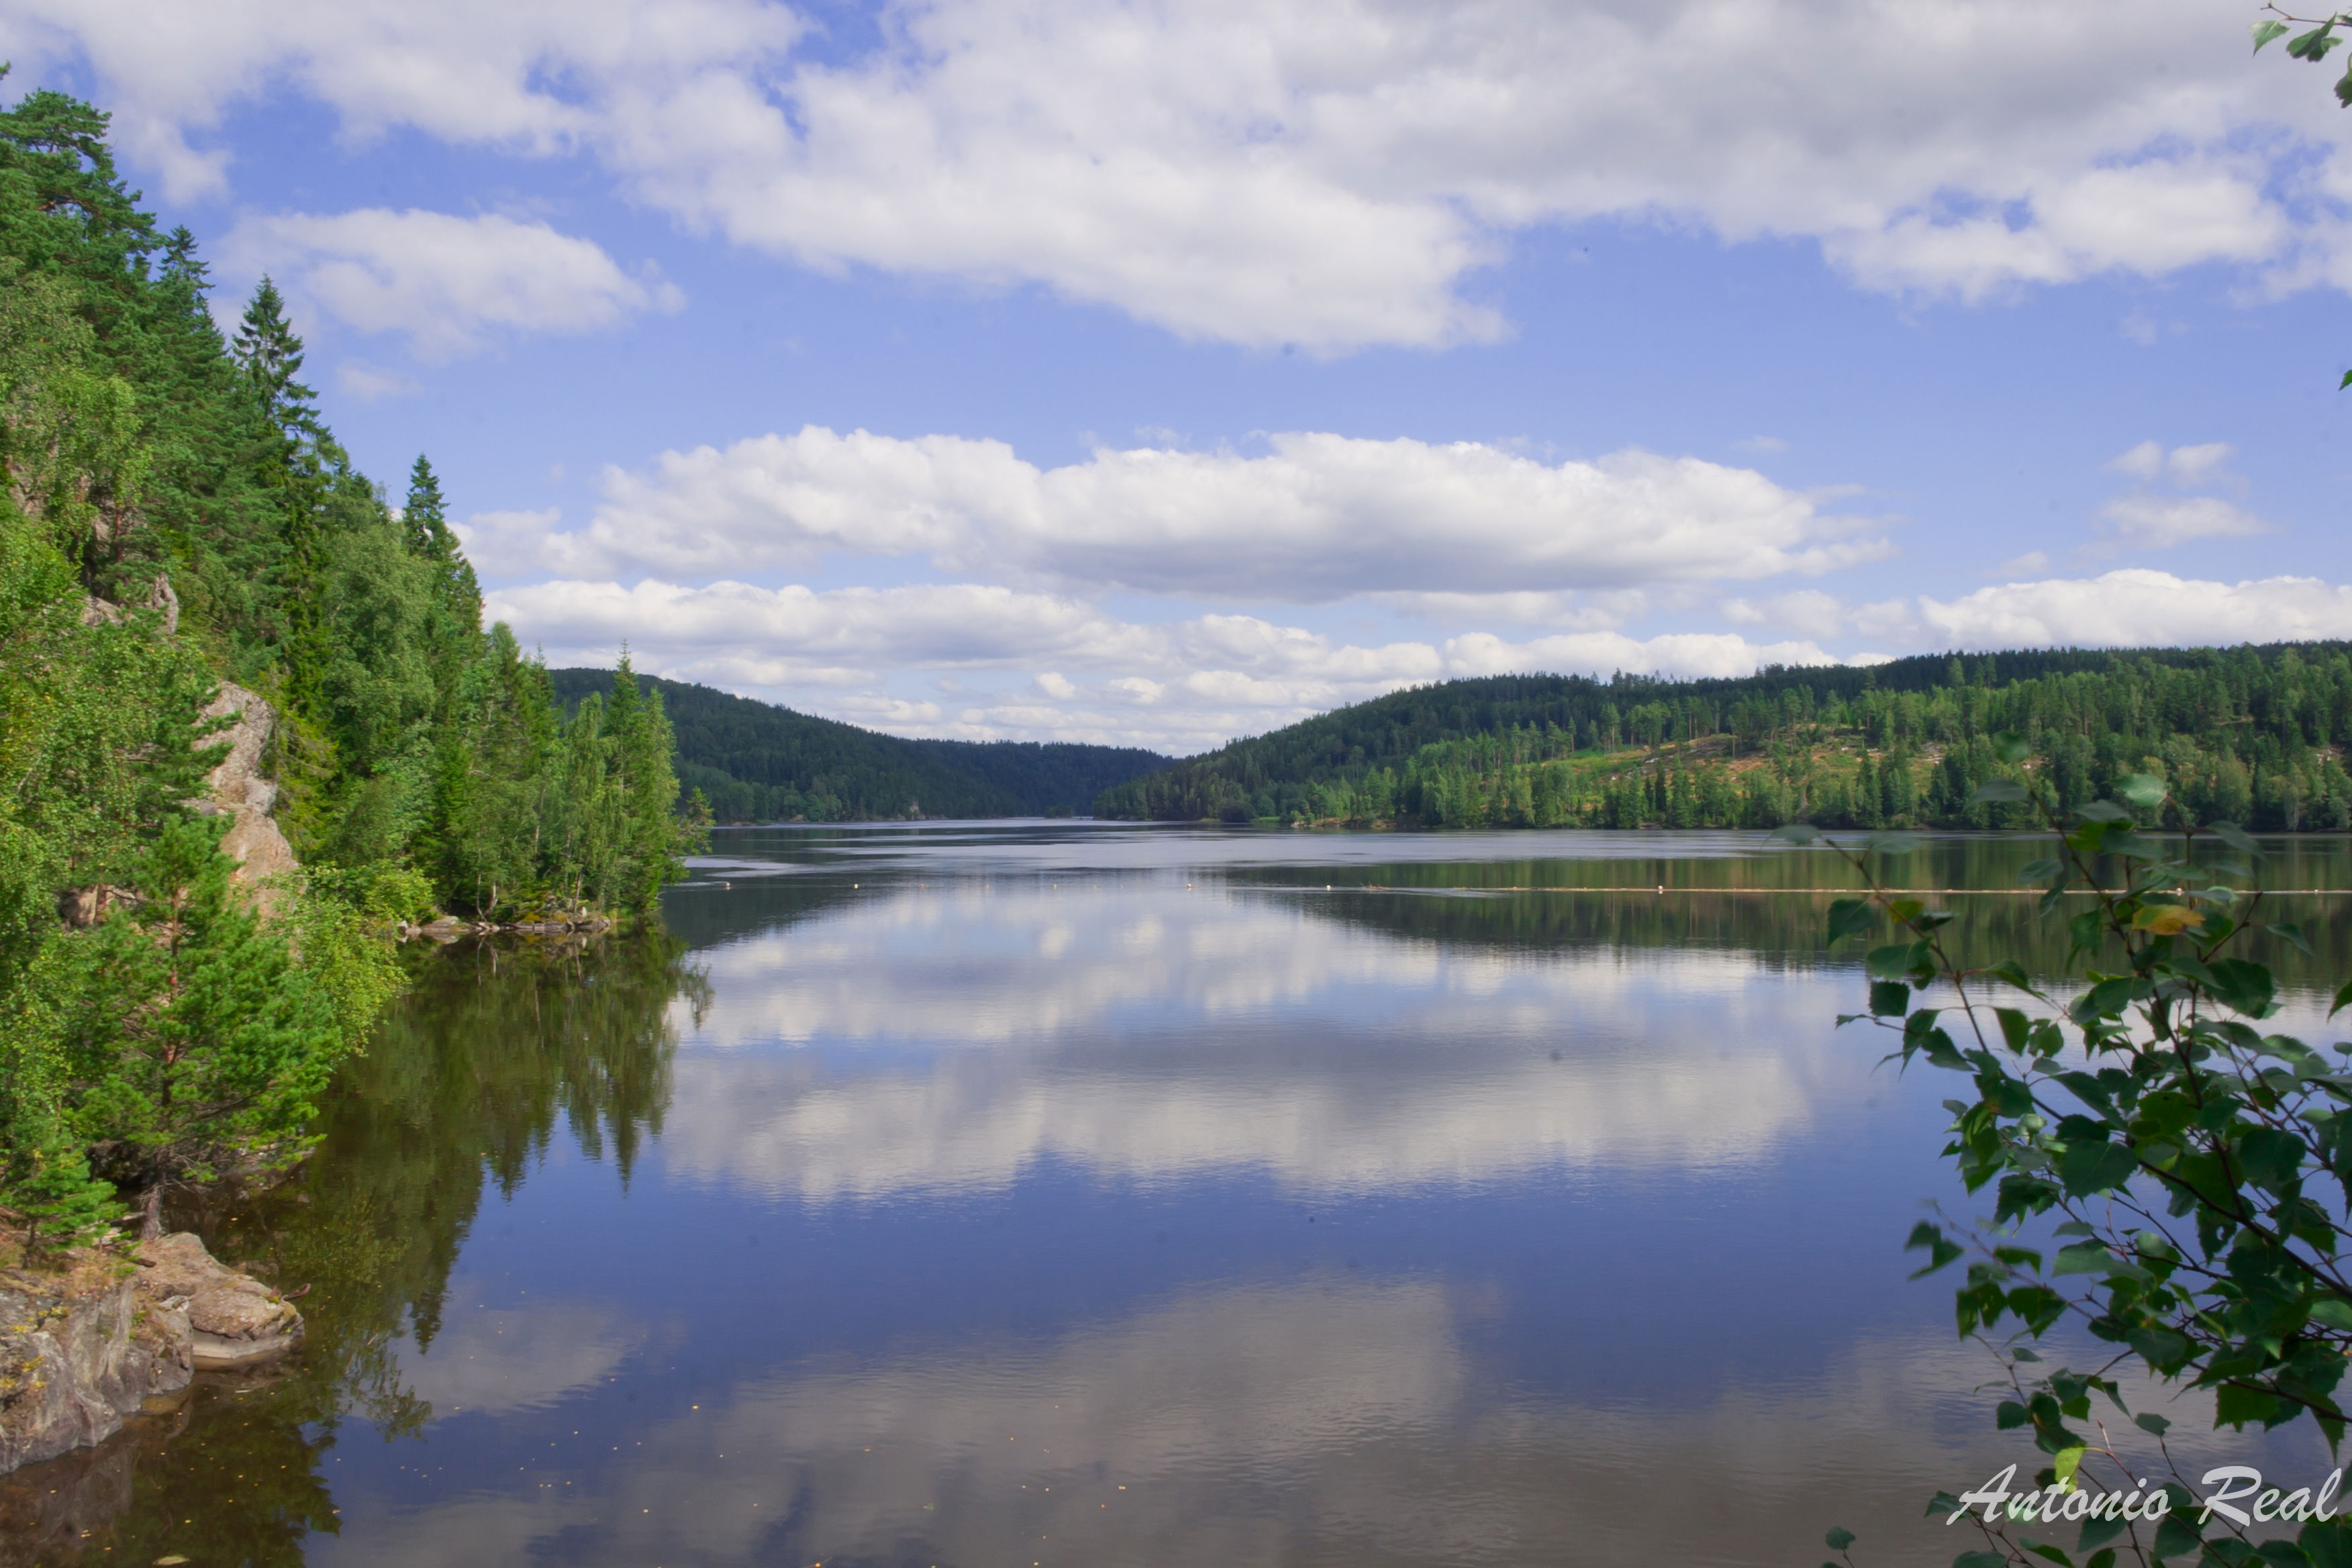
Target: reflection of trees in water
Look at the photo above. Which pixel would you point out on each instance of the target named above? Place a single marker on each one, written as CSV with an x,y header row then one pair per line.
x,y
1755,904
467,1077
1783,930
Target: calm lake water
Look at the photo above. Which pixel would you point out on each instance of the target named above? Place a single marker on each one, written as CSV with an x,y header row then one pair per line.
x,y
1076,1194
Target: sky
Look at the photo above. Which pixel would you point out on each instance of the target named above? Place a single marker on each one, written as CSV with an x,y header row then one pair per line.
x,y
1156,374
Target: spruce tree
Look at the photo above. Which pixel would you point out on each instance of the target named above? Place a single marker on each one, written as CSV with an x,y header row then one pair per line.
x,y
270,355
428,529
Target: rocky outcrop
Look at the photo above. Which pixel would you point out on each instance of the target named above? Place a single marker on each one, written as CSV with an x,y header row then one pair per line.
x,y
122,1332
99,612
238,787
449,928
233,1320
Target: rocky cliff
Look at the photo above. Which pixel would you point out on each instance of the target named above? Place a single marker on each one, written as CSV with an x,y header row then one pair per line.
x,y
238,788
120,1332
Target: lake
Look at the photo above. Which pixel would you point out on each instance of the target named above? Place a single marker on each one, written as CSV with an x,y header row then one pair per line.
x,y
1047,1195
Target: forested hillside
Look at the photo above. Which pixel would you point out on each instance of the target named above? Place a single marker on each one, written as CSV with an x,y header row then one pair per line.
x,y
755,761
2251,735
180,531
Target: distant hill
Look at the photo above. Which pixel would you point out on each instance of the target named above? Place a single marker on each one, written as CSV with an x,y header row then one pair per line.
x,y
756,761
2254,735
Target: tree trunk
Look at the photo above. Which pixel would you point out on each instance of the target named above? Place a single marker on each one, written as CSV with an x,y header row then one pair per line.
x,y
150,1216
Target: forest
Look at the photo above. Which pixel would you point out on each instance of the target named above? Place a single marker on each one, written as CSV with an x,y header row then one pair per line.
x,y
182,535
2254,736
756,761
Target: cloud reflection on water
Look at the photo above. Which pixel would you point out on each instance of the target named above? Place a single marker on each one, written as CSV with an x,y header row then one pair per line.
x,y
933,1040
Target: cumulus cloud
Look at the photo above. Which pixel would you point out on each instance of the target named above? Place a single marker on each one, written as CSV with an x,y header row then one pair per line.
x,y
1327,173
1181,685
2196,464
1316,517
2132,608
2159,522
2149,518
1808,611
449,283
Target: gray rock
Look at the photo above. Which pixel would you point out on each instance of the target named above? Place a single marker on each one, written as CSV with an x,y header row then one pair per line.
x,y
116,1335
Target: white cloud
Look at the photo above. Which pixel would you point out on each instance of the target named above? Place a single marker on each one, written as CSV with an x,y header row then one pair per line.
x,y
2159,522
1807,611
1181,685
2202,464
2150,520
449,283
1323,172
2025,566
1318,518
2134,607
371,384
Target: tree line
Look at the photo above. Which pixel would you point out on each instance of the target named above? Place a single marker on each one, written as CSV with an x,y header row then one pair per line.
x,y
757,761
2252,735
177,515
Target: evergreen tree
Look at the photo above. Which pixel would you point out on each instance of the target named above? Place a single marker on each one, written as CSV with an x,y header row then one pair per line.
x,y
270,356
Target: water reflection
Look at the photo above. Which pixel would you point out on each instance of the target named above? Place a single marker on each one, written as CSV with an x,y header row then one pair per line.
x,y
1088,1195
1157,1034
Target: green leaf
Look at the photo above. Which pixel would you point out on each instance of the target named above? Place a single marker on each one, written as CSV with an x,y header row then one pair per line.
x,y
1980,1560
1889,998
1996,790
2343,999
2103,811
2152,1424
1850,916
2143,790
2235,837
2234,1407
2328,1544
2088,1167
2314,45
2333,1313
1895,961
2243,986
2012,973
1891,843
2161,1348
2010,747
1839,1539
2175,1536
2266,32
1796,832
2083,1257
1940,1250
2098,1532
2346,382
2069,1461
2271,1159
2293,931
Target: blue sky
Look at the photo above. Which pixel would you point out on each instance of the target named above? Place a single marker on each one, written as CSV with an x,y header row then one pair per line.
x,y
1159,373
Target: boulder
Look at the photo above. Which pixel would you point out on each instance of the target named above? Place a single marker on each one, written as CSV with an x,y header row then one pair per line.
x,y
117,1334
233,1320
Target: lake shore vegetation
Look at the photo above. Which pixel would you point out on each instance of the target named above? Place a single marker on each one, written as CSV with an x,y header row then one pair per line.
x,y
181,535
